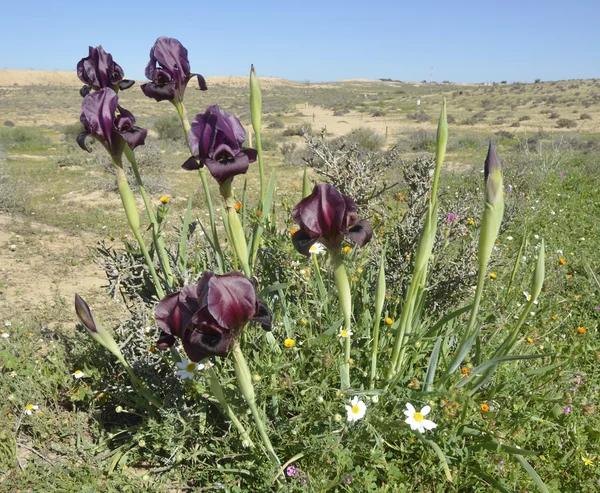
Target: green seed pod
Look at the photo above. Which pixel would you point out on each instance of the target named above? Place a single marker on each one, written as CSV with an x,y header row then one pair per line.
x,y
255,101
538,274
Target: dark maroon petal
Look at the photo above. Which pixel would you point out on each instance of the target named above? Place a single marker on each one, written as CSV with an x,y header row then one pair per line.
x,y
98,69
135,137
81,141
97,115
222,171
205,341
174,313
262,315
251,153
203,288
160,92
85,315
201,82
322,212
126,84
165,341
172,56
360,233
191,163
231,127
231,300
85,90
302,242
202,135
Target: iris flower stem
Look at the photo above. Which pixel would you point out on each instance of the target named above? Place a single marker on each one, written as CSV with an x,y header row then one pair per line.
x,y
236,231
378,305
244,379
133,218
156,236
181,111
345,297
143,392
217,390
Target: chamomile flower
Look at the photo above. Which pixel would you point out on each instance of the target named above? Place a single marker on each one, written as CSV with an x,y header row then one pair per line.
x,y
356,410
343,333
187,369
317,248
528,297
29,408
416,419
77,374
4,335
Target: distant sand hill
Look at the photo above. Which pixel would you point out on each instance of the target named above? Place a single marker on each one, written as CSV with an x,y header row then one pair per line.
x,y
63,78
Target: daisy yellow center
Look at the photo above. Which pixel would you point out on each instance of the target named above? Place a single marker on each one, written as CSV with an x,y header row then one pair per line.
x,y
29,407
344,333
190,367
418,417
355,409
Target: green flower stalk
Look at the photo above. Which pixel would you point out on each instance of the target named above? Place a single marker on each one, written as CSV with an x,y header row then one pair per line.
x,y
236,231
163,257
217,390
181,111
256,116
131,212
424,249
305,183
379,300
345,296
104,338
244,379
490,224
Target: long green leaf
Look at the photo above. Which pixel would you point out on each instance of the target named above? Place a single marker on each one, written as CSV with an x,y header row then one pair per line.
x,y
184,236
444,320
461,353
260,225
500,447
488,479
441,456
534,475
496,361
433,361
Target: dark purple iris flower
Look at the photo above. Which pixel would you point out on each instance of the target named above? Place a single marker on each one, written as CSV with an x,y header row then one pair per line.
x,y
107,122
169,71
216,139
210,316
98,70
328,216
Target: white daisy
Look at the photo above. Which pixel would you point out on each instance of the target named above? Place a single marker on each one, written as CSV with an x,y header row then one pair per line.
x,y
29,408
416,419
77,374
317,248
7,323
528,297
343,333
509,238
5,335
356,410
187,369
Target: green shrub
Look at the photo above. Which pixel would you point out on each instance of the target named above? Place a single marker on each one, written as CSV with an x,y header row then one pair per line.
x,y
269,144
71,131
169,127
366,138
585,116
566,123
22,137
297,130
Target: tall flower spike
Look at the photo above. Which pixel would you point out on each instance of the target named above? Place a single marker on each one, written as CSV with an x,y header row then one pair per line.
x,y
169,71
328,216
98,70
494,206
216,140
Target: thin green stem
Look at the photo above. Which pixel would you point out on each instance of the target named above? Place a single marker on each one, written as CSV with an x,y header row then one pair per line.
x,y
236,231
181,111
163,257
217,390
133,218
244,379
345,297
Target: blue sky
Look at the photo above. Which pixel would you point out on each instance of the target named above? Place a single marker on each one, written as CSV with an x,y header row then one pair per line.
x,y
464,41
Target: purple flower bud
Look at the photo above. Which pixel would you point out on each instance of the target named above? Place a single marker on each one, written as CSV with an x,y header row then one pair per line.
x,y
98,70
107,122
568,409
169,71
348,479
291,471
85,314
216,139
451,217
328,216
210,316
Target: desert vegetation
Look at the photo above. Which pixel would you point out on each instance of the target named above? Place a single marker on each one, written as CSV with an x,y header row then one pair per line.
x,y
351,293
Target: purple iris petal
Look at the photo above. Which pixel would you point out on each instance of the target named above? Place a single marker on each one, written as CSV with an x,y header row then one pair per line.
x,y
209,316
169,71
98,70
328,216
216,140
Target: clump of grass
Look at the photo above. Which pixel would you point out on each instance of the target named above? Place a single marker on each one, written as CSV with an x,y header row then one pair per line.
x,y
366,138
418,116
23,138
585,116
554,115
168,127
297,131
71,131
566,123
